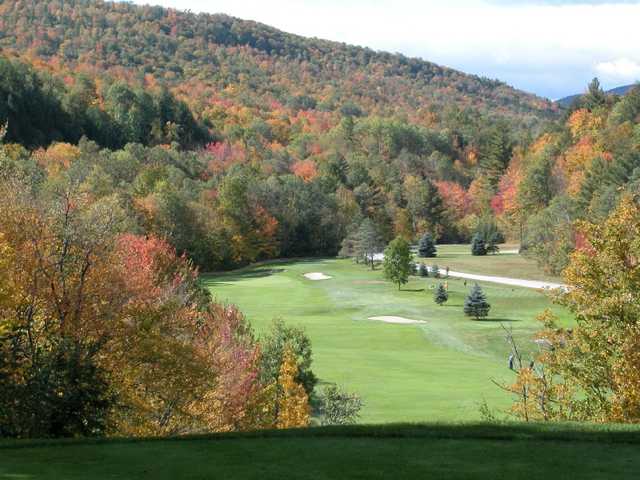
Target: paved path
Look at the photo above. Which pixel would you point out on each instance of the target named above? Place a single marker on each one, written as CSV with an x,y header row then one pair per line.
x,y
516,282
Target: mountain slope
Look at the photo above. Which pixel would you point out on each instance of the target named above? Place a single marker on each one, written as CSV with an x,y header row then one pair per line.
x,y
199,52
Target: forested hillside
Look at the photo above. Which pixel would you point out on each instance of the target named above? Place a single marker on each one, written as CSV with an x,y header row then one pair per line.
x,y
238,142
577,171
215,58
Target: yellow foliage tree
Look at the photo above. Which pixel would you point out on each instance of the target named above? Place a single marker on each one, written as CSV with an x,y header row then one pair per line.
x,y
7,286
583,123
596,365
293,402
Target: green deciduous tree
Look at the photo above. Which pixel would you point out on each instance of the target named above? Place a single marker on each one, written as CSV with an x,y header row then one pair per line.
x,y
339,407
398,262
273,346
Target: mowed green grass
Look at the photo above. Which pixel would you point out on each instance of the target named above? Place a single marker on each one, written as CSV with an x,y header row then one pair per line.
x,y
459,259
411,452
438,371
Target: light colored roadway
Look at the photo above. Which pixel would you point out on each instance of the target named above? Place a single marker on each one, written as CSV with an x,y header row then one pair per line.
x,y
516,282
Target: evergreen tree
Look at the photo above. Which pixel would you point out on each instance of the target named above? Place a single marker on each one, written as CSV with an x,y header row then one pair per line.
x,y
427,247
595,177
367,242
478,246
397,262
349,248
441,295
488,231
595,96
537,188
434,209
435,271
423,270
476,305
497,154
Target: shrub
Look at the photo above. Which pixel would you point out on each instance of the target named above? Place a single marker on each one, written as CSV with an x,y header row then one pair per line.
x,y
339,407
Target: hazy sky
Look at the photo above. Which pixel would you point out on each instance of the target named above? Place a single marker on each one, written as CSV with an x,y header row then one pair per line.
x,y
552,47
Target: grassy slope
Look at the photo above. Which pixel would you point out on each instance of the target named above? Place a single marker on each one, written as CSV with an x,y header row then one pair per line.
x,y
452,452
440,371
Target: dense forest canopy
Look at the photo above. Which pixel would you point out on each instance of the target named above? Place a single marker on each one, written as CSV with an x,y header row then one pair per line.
x,y
269,144
242,142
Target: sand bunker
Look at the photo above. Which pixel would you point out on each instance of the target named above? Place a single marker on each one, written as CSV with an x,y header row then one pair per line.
x,y
392,319
316,276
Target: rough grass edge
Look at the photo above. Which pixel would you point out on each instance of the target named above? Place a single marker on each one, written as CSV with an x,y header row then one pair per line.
x,y
508,431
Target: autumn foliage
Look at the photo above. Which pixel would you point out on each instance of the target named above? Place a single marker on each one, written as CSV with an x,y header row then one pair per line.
x,y
293,403
124,309
590,372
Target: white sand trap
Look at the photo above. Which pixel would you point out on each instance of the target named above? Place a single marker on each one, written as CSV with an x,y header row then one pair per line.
x,y
316,276
392,319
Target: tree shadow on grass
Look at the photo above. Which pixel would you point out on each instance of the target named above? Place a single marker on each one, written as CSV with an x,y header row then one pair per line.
x,y
233,277
496,320
412,290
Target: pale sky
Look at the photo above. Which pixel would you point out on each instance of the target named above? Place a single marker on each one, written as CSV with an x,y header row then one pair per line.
x,y
552,48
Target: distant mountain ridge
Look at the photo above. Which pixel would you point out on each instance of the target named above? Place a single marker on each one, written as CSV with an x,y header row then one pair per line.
x,y
567,101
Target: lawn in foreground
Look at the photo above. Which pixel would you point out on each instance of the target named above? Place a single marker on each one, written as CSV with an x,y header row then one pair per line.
x,y
441,370
452,452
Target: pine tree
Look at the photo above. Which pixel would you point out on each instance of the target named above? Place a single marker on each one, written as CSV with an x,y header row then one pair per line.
x,y
476,305
441,295
478,247
488,231
434,209
368,241
427,247
595,96
435,271
423,270
496,155
293,402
